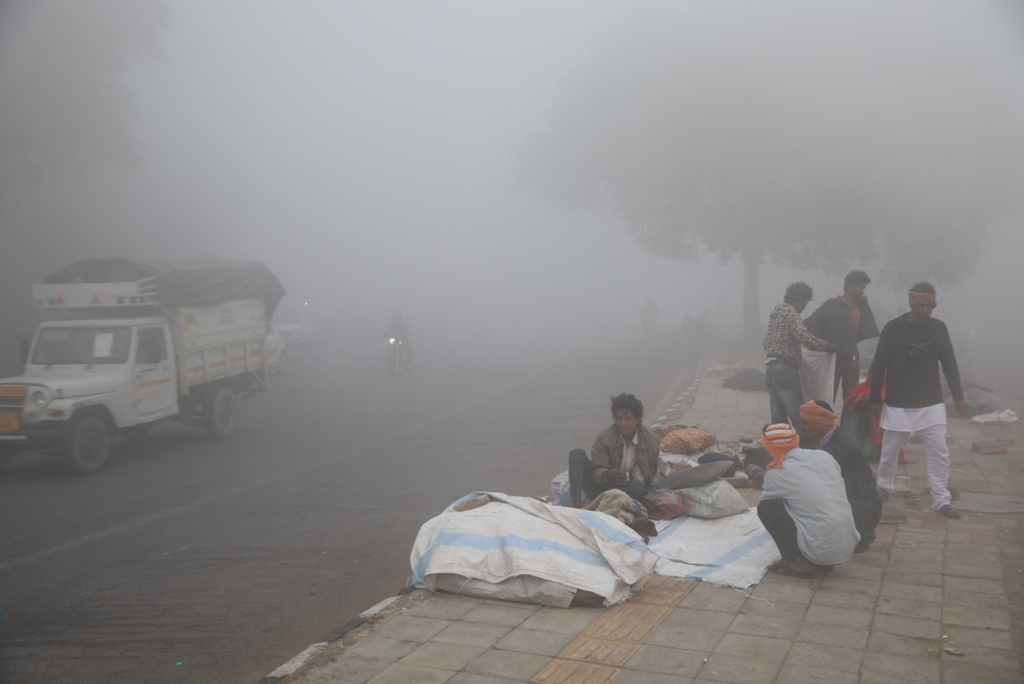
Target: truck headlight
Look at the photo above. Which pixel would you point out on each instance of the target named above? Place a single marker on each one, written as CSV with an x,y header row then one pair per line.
x,y
38,398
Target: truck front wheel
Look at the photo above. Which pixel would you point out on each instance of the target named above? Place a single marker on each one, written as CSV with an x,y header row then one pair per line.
x,y
220,413
86,445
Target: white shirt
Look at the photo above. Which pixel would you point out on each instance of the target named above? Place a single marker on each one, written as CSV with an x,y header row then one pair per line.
x,y
811,486
911,419
629,453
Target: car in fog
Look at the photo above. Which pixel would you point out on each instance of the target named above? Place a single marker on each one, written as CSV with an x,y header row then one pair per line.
x,y
277,354
294,334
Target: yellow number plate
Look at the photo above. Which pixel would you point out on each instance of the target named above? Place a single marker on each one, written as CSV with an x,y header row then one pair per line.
x,y
9,422
13,391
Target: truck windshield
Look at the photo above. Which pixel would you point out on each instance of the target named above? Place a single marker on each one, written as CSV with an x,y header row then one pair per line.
x,y
82,345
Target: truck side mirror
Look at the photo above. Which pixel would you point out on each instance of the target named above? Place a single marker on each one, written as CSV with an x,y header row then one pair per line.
x,y
26,346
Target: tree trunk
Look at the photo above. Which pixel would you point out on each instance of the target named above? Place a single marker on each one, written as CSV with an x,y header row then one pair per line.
x,y
751,320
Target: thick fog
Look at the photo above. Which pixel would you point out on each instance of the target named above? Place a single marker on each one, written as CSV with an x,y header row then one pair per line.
x,y
366,150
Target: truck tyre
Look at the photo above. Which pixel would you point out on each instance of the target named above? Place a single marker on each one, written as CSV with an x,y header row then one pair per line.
x,y
220,413
86,445
137,433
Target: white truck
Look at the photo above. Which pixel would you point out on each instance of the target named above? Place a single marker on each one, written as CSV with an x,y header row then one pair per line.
x,y
135,343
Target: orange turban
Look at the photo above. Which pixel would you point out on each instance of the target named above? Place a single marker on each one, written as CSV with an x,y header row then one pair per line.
x,y
779,440
817,416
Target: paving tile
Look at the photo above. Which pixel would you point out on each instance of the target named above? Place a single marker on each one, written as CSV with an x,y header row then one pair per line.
x,y
972,673
974,586
972,616
636,612
659,597
861,571
853,585
599,651
753,647
969,636
688,638
916,558
671,661
709,597
974,571
958,598
443,608
904,626
911,592
781,620
794,673
406,674
915,577
562,620
903,646
619,630
689,618
412,628
440,656
471,634
778,588
884,668
841,617
824,657
534,641
989,657
924,610
377,646
470,678
837,598
560,671
641,677
738,670
508,616
508,664
833,635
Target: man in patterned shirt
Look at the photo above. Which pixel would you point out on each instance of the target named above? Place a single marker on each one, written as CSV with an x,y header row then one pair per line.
x,y
786,334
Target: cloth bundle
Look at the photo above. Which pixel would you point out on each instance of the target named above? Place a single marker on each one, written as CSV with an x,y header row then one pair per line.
x,y
687,441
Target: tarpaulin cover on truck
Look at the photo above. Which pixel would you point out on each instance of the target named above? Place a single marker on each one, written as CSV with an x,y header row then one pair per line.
x,y
199,282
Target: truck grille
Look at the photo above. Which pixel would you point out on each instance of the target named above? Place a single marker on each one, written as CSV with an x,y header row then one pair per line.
x,y
12,396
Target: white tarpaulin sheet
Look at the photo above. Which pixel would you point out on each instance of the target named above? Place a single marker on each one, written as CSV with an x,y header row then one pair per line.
x,y
818,372
516,536
734,551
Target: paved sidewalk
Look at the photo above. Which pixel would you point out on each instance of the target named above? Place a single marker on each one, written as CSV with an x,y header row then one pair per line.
x,y
927,590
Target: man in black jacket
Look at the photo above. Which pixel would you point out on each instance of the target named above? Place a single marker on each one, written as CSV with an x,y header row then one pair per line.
x,y
844,321
910,350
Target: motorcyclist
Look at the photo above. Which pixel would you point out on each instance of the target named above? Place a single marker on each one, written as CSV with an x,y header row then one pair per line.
x,y
399,330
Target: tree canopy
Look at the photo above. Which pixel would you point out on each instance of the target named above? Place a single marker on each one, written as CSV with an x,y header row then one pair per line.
x,y
817,135
65,105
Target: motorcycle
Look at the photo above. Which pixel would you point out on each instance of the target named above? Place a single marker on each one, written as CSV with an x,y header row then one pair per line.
x,y
398,356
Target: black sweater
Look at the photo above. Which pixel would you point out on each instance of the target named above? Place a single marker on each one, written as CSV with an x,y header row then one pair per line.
x,y
908,357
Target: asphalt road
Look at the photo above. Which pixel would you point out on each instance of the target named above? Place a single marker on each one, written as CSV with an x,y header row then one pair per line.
x,y
189,560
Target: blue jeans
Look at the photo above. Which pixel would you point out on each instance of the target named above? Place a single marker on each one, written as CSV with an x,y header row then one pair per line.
x,y
581,480
784,393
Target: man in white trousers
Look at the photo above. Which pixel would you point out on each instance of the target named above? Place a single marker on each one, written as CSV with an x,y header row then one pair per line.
x,y
910,350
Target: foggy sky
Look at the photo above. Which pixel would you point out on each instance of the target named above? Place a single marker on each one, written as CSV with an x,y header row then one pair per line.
x,y
363,151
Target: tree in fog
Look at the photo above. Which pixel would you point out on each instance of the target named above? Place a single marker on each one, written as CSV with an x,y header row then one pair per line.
x,y
816,136
64,104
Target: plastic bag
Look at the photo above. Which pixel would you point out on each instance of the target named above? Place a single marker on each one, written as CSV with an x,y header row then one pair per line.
x,y
715,500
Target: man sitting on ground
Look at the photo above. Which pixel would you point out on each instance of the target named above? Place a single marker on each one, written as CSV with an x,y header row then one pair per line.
x,y
804,506
624,456
820,427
